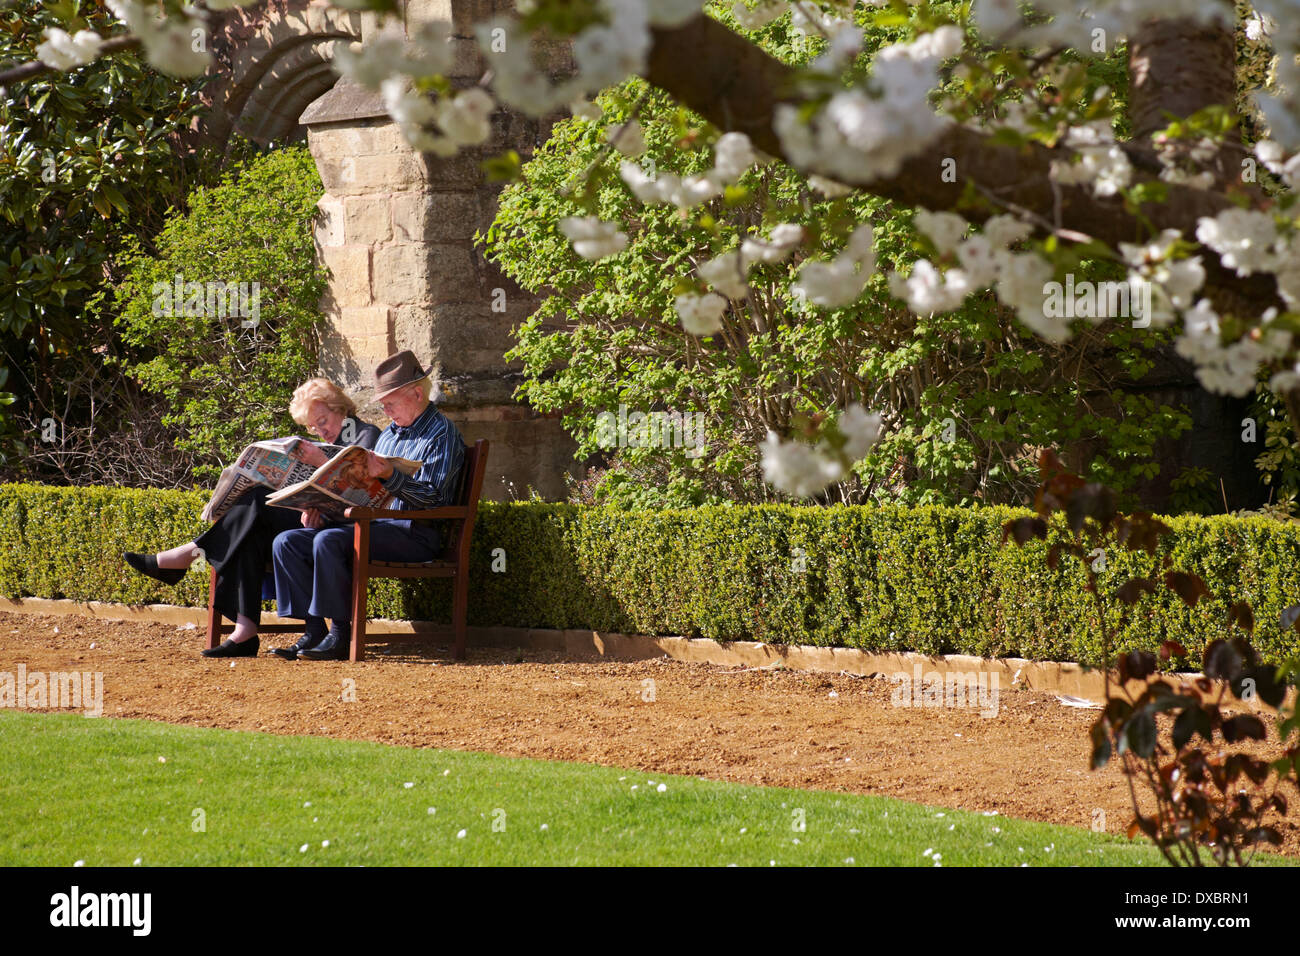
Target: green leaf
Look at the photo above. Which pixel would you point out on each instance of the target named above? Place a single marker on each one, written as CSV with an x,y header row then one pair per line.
x,y
507,167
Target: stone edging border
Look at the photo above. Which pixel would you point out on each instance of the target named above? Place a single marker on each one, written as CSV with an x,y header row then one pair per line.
x,y
1013,672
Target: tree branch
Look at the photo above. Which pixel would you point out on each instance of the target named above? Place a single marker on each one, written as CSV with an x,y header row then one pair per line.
x,y
35,68
736,86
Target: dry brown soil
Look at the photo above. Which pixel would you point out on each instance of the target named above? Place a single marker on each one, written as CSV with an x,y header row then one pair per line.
x,y
775,727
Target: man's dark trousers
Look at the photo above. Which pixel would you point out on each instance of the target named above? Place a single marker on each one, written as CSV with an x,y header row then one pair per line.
x,y
313,567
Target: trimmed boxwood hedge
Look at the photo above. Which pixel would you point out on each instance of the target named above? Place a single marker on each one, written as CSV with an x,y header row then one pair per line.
x,y
934,579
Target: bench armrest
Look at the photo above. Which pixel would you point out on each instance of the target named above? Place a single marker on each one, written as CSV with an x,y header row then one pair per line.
x,y
357,513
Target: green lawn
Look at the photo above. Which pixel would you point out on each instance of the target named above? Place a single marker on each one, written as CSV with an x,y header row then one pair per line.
x,y
115,792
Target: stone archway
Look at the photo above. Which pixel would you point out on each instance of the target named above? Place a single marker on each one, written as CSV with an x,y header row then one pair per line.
x,y
272,61
396,226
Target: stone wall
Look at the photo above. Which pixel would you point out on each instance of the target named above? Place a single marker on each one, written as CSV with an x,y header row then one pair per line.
x,y
396,232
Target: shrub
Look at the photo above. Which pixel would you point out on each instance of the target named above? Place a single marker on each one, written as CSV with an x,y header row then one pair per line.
x,y
89,156
930,579
253,233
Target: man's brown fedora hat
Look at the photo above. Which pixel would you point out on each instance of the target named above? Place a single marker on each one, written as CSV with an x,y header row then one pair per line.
x,y
398,371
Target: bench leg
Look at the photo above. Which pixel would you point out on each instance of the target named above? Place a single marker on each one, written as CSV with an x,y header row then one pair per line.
x,y
214,618
460,602
359,585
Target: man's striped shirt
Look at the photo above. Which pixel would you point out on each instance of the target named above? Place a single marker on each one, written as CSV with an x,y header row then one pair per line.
x,y
434,440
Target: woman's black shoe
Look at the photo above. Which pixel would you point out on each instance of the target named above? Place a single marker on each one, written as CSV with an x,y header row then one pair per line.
x,y
228,648
148,564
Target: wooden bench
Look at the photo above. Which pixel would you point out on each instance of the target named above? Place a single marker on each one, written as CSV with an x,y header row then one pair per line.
x,y
452,563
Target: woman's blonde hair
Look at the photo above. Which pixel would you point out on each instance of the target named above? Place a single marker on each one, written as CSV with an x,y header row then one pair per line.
x,y
319,390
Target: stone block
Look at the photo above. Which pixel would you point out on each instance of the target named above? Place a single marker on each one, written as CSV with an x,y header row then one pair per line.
x,y
434,273
402,274
466,13
367,352
363,138
373,320
461,172
463,339
413,329
349,268
353,175
467,59
367,219
535,453
329,224
435,216
426,11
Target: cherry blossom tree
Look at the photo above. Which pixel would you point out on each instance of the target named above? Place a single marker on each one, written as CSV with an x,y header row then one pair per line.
x,y
983,115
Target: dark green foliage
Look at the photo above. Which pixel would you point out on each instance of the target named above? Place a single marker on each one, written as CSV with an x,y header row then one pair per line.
x,y
254,228
930,579
86,157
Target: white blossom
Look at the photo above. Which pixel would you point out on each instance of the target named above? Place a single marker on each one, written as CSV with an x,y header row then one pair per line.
x,y
1002,230
944,229
861,428
405,106
828,187
1175,280
701,314
1230,369
796,468
169,43
1021,278
928,291
586,109
1243,238
389,53
844,46
1260,26
1101,162
995,17
778,247
761,15
726,274
802,470
672,13
866,133
1272,155
465,118
1199,342
732,156
628,138
841,281
171,47
62,52
978,259
591,238
1288,282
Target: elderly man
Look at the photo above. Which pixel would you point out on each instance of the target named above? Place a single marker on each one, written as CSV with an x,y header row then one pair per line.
x,y
313,564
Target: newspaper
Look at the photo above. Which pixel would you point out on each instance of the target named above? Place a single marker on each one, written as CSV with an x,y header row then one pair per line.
x,y
273,463
340,483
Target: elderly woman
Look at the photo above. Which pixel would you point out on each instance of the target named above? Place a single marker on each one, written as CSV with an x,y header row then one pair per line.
x,y
238,546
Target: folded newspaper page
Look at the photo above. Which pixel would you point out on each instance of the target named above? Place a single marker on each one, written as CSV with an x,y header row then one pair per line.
x,y
340,483
273,463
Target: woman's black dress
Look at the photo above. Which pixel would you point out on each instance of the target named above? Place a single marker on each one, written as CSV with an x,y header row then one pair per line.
x,y
238,545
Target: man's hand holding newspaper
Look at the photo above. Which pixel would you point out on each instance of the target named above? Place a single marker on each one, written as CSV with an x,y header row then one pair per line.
x,y
304,475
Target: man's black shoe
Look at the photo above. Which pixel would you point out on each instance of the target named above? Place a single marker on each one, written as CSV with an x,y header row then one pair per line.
x,y
148,564
228,648
335,647
305,643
